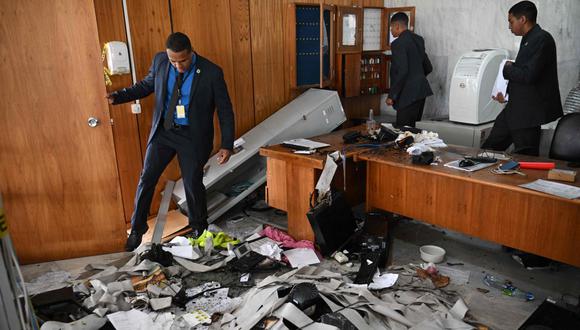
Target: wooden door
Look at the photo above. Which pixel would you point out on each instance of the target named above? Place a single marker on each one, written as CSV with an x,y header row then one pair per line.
x,y
58,176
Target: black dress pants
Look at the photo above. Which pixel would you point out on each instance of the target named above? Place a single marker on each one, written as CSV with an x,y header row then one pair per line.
x,y
160,151
410,114
526,140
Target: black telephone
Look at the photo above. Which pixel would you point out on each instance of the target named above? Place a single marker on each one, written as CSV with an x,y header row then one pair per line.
x,y
351,137
386,134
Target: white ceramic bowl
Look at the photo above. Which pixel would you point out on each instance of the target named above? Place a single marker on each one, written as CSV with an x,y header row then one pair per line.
x,y
432,253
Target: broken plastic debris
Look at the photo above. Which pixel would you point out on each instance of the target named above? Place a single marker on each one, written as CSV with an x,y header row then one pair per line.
x,y
340,257
506,287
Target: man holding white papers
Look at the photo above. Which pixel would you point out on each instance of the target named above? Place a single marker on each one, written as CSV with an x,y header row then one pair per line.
x,y
534,95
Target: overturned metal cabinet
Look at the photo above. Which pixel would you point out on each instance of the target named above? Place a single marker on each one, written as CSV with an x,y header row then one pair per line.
x,y
313,113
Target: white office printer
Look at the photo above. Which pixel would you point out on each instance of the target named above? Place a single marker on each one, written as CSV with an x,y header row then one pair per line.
x,y
473,78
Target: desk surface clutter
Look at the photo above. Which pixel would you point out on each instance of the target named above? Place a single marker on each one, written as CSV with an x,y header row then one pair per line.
x,y
480,203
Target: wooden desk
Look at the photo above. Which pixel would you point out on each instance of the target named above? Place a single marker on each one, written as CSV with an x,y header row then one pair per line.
x,y
291,179
480,204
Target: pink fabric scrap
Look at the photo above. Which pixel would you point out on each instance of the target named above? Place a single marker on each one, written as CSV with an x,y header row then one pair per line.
x,y
286,240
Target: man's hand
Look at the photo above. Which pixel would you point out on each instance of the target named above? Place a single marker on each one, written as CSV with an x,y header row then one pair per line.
x,y
390,101
223,156
499,97
110,97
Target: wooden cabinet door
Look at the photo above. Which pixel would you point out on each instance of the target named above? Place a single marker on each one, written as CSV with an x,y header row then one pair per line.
x,y
349,27
352,74
58,176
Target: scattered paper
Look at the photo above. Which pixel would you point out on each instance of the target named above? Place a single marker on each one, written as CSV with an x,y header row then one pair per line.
x,y
130,320
48,282
304,144
182,251
125,285
180,240
457,276
89,322
266,247
196,317
554,188
201,288
301,257
253,237
160,303
323,184
383,281
459,309
161,321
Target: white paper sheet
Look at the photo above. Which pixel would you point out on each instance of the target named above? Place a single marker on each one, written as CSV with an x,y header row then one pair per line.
x,y
305,144
89,322
130,320
383,281
455,164
160,303
301,257
180,240
323,184
186,252
500,85
554,188
49,281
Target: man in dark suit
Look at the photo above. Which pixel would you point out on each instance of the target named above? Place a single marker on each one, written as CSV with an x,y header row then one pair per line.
x,y
187,90
409,67
534,95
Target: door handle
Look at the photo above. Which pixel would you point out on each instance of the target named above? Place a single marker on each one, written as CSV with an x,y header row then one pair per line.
x,y
93,122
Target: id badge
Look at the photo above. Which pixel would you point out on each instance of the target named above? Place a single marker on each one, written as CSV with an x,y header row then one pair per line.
x,y
180,111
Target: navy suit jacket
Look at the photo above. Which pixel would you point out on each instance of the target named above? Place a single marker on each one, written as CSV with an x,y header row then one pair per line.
x,y
534,94
208,90
409,67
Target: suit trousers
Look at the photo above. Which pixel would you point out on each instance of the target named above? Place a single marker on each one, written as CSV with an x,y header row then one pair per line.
x,y
526,140
410,114
160,151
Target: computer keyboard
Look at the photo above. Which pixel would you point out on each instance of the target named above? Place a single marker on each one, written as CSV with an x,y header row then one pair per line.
x,y
480,159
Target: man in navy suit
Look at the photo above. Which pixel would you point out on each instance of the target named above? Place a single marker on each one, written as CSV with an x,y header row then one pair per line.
x,y
410,66
534,95
187,90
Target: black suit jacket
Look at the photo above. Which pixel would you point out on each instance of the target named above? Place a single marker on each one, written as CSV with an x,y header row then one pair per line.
x,y
534,95
409,67
208,90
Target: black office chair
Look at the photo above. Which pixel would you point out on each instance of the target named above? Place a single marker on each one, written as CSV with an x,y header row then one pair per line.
x,y
566,140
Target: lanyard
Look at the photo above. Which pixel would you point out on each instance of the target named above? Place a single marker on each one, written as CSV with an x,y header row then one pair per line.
x,y
180,83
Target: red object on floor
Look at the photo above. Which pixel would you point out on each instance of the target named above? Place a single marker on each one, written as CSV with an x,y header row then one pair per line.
x,y
538,165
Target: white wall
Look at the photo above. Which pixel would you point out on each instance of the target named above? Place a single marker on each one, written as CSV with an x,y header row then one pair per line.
x,y
453,27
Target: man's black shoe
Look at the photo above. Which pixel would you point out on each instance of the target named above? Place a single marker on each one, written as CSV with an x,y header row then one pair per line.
x,y
193,234
133,241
